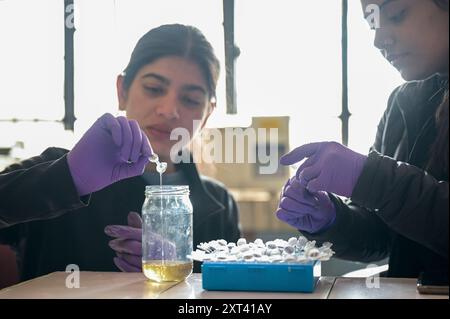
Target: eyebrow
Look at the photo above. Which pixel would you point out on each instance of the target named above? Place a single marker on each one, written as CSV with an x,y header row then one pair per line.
x,y
166,81
158,77
386,3
194,88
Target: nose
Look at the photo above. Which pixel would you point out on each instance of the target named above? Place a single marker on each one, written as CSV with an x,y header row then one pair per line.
x,y
168,107
384,40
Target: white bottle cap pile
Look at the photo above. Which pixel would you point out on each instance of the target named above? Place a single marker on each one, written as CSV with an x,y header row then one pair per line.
x,y
294,250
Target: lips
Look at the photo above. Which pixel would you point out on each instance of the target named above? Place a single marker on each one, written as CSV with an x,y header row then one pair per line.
x,y
395,59
159,131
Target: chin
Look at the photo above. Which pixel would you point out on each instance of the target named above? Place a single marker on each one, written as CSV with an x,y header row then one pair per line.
x,y
162,150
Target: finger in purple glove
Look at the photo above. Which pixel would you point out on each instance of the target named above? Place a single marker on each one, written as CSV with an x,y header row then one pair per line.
x,y
134,220
300,221
112,126
300,153
125,232
127,246
125,150
146,149
293,206
299,193
137,141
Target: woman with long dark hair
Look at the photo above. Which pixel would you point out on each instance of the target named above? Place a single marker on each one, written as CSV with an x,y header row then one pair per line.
x,y
394,202
169,83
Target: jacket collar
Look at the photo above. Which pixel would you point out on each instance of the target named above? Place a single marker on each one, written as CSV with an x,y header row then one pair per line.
x,y
410,101
426,92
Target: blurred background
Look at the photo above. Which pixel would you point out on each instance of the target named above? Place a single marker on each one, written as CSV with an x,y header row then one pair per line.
x,y
303,67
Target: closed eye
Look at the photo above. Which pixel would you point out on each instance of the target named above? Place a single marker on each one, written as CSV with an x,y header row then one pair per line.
x,y
398,18
190,102
154,90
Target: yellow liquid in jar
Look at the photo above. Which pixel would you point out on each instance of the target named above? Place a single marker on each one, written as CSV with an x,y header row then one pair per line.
x,y
169,271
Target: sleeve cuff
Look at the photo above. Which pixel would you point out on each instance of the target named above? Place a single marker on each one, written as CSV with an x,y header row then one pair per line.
x,y
365,185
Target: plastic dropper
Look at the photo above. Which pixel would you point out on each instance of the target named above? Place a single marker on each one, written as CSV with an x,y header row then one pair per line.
x,y
160,166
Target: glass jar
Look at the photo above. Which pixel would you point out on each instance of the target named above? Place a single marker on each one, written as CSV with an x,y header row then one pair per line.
x,y
167,233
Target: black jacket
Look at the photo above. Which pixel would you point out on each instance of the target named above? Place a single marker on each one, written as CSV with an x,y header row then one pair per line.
x,y
78,237
20,182
397,209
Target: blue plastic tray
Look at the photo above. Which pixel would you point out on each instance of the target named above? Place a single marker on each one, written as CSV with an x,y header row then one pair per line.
x,y
288,277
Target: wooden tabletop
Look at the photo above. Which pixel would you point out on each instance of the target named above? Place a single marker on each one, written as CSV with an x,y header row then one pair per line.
x,y
116,285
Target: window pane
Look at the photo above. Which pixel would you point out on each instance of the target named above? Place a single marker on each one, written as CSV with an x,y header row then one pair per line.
x,y
32,75
290,64
32,59
108,30
371,80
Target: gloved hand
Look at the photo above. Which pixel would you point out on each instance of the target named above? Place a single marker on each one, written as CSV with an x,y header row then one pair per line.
x,y
330,167
305,211
111,150
128,244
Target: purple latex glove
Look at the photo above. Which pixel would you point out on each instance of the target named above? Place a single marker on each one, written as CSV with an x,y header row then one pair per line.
x,y
111,150
330,167
128,244
305,211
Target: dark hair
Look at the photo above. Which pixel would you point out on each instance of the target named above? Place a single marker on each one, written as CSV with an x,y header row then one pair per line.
x,y
443,4
439,153
174,40
438,163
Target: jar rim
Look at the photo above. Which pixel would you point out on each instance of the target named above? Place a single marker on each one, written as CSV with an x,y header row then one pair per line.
x,y
151,190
